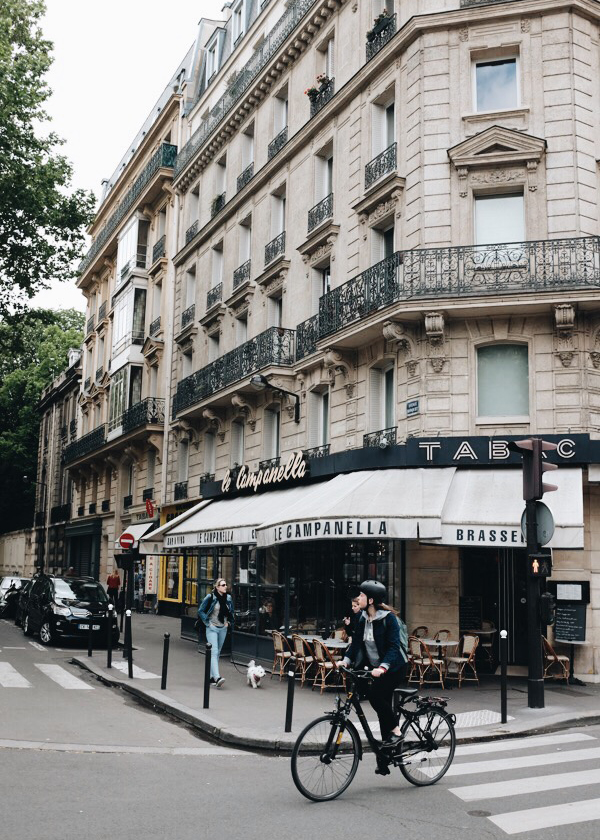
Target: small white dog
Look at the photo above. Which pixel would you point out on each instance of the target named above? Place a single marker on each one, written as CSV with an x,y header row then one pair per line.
x,y
254,674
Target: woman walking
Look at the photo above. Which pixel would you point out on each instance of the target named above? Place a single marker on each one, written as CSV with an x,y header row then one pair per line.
x,y
216,613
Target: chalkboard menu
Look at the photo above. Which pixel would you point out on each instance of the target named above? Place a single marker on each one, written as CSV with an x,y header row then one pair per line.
x,y
570,622
469,610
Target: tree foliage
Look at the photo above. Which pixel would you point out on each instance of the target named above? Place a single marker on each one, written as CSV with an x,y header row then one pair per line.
x,y
33,351
41,222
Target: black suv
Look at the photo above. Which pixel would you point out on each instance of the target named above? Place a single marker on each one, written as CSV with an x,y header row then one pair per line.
x,y
61,607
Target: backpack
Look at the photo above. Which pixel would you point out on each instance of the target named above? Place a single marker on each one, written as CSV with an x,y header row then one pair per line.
x,y
403,636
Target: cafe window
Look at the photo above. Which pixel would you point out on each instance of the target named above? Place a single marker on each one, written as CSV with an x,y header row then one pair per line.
x,y
170,584
503,381
496,84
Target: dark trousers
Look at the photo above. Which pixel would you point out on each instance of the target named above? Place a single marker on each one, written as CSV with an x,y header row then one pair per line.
x,y
113,595
380,695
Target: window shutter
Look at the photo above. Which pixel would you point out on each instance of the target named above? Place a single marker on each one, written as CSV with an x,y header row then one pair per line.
x,y
378,121
324,418
209,453
377,246
389,400
390,125
330,67
183,460
237,443
375,399
314,416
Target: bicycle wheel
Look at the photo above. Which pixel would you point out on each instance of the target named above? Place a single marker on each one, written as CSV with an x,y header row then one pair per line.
x,y
428,747
325,759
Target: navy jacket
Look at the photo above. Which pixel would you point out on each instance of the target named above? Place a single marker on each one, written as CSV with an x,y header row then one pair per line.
x,y
386,635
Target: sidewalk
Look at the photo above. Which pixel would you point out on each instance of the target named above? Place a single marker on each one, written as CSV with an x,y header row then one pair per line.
x,y
241,716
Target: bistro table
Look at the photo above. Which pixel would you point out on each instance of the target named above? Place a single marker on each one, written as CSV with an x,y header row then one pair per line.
x,y
329,643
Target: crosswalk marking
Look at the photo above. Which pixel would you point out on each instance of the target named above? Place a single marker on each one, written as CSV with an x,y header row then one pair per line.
x,y
10,678
533,784
509,744
531,819
37,646
64,678
138,673
546,759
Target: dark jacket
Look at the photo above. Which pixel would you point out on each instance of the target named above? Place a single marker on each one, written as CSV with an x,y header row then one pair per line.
x,y
208,605
386,635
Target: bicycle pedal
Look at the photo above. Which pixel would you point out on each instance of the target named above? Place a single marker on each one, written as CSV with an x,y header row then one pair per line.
x,y
382,770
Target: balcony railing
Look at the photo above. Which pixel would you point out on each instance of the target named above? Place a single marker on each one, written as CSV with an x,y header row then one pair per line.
x,y
217,205
102,312
155,326
321,211
241,274
180,491
150,410
90,325
379,36
73,428
322,97
214,296
148,494
60,513
127,501
382,438
162,158
277,143
244,79
159,249
462,272
245,177
191,232
86,444
381,165
274,346
87,384
206,477
317,451
187,316
268,463
275,248
139,261
64,431
99,373
307,335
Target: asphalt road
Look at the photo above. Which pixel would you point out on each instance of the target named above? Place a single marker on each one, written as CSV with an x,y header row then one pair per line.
x,y
80,760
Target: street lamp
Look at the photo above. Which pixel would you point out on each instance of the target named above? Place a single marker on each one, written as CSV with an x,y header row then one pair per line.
x,y
260,382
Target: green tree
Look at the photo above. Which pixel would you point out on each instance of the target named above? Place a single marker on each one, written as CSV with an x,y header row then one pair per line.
x,y
33,350
41,223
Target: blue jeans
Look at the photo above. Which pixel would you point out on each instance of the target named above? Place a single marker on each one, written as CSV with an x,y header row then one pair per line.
x,y
216,637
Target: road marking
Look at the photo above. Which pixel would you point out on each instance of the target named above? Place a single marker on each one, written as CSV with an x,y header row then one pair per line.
x,y
533,784
6,647
549,817
37,646
509,744
64,678
138,673
10,678
546,759
117,748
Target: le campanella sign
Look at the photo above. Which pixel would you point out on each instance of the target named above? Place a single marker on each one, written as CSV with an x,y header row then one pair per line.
x,y
267,477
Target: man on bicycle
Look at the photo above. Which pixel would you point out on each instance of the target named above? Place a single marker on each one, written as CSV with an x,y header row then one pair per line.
x,y
376,642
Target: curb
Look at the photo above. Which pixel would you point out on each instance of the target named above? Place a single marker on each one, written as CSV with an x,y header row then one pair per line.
x,y
213,728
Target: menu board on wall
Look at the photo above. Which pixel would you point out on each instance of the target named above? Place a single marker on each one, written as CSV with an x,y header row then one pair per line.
x,y
469,609
570,622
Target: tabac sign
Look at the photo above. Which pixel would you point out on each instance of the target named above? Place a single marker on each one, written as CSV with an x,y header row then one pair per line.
x,y
269,477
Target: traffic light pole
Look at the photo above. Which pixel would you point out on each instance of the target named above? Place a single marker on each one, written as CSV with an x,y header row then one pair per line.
x,y
535,677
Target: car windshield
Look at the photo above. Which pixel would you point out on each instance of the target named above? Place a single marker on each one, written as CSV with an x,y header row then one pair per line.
x,y
79,590
7,581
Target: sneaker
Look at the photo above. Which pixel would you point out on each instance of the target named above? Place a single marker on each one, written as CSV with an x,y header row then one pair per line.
x,y
219,682
382,769
392,741
213,681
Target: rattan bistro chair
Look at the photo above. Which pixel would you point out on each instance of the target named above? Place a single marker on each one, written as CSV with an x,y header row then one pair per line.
x,y
462,661
420,632
551,659
428,668
327,669
282,654
303,655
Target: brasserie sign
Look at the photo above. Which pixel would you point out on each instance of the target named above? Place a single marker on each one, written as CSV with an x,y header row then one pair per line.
x,y
294,469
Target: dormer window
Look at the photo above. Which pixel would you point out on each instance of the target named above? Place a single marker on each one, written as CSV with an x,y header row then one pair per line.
x,y
211,59
237,21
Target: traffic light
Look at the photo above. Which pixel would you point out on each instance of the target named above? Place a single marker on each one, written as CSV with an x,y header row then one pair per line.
x,y
540,563
547,609
532,450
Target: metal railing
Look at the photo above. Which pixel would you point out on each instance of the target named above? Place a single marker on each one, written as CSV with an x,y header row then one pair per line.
x,y
379,36
321,211
191,232
274,346
269,462
317,451
127,501
275,248
150,410
206,477
155,326
381,165
382,438
307,335
241,274
86,444
64,431
277,143
60,513
99,373
187,316
90,325
102,312
214,296
159,248
322,97
87,384
217,205
180,491
139,261
245,177
73,428
162,158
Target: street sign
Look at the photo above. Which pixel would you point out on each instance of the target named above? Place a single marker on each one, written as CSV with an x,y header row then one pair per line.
x,y
126,540
545,523
149,507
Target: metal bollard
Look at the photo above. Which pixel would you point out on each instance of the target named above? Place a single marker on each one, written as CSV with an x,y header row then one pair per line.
x,y
207,675
90,637
503,662
289,709
129,643
165,665
109,618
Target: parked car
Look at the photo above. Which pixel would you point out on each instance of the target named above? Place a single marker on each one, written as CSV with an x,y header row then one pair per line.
x,y
9,588
22,601
63,607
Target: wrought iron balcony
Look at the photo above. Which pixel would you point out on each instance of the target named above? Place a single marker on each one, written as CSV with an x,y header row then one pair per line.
x,y
214,296
150,410
159,249
86,444
105,505
307,335
217,205
60,513
87,384
90,325
127,501
275,248
155,326
139,261
274,346
241,274
382,438
322,96
102,312
180,491
187,316
191,232
268,463
321,211
148,494
379,36
73,428
162,158
92,507
317,451
64,431
245,177
381,165
206,477
277,143
99,373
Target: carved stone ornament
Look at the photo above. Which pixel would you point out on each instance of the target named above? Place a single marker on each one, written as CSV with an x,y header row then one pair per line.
x,y
434,328
564,317
214,422
184,429
274,286
497,176
335,364
437,363
462,181
320,253
244,408
463,34
525,25
412,366
566,357
396,333
595,358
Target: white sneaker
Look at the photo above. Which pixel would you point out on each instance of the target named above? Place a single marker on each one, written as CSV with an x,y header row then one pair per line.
x,y
219,682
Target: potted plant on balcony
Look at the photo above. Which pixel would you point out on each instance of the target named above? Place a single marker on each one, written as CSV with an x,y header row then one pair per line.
x,y
379,24
314,91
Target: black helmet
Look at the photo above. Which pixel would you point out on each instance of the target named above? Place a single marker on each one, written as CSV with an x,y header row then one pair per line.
x,y
375,590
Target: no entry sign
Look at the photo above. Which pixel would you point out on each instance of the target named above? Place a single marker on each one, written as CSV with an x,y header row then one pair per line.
x,y
126,540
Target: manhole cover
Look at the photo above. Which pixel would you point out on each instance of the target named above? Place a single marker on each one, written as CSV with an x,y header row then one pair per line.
x,y
479,813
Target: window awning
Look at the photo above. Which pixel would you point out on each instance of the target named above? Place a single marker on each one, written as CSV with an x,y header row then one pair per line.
x,y
137,530
374,504
484,508
152,543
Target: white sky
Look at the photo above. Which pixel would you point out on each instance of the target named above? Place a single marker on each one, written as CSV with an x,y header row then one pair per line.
x,y
112,60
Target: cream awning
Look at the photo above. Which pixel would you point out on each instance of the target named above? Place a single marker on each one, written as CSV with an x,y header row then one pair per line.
x,y
137,530
152,543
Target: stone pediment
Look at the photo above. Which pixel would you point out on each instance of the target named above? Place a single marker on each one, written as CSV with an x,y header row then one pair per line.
x,y
497,146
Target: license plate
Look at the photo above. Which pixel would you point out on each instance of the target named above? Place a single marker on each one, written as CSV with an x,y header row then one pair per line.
x,y
87,626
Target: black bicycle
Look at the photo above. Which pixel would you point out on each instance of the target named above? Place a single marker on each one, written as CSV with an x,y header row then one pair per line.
x,y
326,754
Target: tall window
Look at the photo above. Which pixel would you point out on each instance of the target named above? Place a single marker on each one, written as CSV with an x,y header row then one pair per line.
x,y
382,244
245,241
383,127
150,468
237,20
382,401
496,85
499,219
241,329
139,315
248,147
217,265
280,112
323,176
271,432
190,287
321,285
210,451
318,418
214,342
277,214
135,386
503,381
186,364
211,60
183,459
117,398
237,442
275,311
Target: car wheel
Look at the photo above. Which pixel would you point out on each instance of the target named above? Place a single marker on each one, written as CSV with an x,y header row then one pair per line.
x,y
46,634
26,629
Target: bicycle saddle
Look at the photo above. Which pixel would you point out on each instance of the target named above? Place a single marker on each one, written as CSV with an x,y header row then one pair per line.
x,y
405,693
